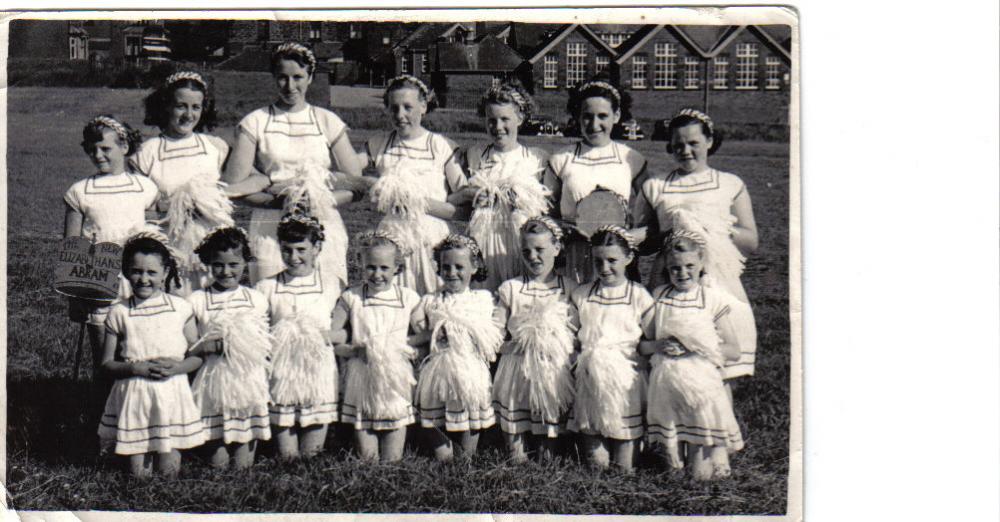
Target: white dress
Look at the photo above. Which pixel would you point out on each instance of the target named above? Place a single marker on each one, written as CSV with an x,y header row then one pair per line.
x,y
709,195
380,322
171,163
581,169
209,304
313,297
150,415
112,205
610,377
501,246
286,143
670,420
425,156
524,299
454,387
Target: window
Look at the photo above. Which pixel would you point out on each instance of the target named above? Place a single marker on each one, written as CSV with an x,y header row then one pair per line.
x,y
133,46
746,66
665,71
691,72
613,39
773,71
385,40
425,62
576,63
720,75
601,64
77,48
315,31
550,71
353,32
404,66
639,72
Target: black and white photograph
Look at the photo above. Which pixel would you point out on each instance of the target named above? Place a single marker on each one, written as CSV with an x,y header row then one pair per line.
x,y
446,262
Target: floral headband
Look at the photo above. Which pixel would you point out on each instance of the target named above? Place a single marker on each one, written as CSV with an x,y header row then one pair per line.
x,y
549,223
110,123
305,220
297,48
692,236
605,86
366,238
622,233
186,75
215,230
406,78
698,115
462,241
515,94
159,237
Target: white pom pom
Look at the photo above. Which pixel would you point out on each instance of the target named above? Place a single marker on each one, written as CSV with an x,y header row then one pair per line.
x,y
544,334
300,362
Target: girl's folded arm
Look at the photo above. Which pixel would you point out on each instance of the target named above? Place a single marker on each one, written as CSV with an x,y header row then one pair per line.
x,y
729,346
745,230
120,369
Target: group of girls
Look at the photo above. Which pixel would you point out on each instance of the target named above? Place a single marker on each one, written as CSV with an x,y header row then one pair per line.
x,y
582,345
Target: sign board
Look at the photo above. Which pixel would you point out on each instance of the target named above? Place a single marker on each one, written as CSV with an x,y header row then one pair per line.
x,y
87,270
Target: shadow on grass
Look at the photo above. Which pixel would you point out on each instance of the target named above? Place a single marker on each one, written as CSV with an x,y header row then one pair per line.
x,y
54,419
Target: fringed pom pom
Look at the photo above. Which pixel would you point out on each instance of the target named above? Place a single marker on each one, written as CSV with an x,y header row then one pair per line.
x,y
400,192
389,374
723,258
300,361
604,377
690,382
544,335
238,383
195,208
310,192
697,333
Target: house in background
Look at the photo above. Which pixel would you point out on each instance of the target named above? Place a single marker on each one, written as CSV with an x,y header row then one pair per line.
x,y
138,42
566,57
463,71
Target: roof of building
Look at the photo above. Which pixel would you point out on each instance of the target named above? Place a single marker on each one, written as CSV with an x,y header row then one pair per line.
x,y
425,35
546,45
488,55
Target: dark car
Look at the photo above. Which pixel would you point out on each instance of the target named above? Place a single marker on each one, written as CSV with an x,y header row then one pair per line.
x,y
540,127
660,130
628,130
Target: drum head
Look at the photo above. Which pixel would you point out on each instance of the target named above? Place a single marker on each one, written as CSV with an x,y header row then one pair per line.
x,y
88,271
600,207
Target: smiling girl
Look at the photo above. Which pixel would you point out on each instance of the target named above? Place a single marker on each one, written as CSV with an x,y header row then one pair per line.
x,y
596,162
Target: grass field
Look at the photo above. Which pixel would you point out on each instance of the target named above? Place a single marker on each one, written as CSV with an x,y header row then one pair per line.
x,y
50,469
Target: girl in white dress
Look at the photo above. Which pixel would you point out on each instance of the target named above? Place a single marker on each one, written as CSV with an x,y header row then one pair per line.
x,y
231,387
454,388
693,336
150,414
105,207
533,387
595,162
418,179
505,182
610,378
379,379
295,145
186,164
303,380
714,204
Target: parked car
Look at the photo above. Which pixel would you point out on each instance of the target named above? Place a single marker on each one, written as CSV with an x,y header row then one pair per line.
x,y
540,127
628,130
660,130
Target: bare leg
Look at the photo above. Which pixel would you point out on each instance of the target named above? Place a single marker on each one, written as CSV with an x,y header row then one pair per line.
x,y
141,465
719,455
96,334
546,448
366,442
218,454
515,445
288,442
698,462
596,451
441,444
625,454
312,439
243,455
168,464
729,389
467,441
391,445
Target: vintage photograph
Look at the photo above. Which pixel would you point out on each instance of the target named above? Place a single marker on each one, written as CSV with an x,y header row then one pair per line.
x,y
511,261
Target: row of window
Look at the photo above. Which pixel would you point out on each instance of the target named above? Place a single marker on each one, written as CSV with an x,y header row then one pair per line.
x,y
665,68
422,58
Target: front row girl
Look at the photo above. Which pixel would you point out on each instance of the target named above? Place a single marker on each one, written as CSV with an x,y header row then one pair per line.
x,y
533,387
693,337
379,378
454,388
150,413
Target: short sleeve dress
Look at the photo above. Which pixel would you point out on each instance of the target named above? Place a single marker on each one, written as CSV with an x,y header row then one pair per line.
x,y
112,205
313,297
536,306
425,156
612,321
499,238
145,415
380,322
669,420
288,142
454,387
709,195
582,169
172,163
209,306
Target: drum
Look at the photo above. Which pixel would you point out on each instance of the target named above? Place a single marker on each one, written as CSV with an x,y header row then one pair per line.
x,y
600,207
86,270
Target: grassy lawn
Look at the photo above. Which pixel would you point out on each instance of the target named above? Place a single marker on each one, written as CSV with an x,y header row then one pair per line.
x,y
49,468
